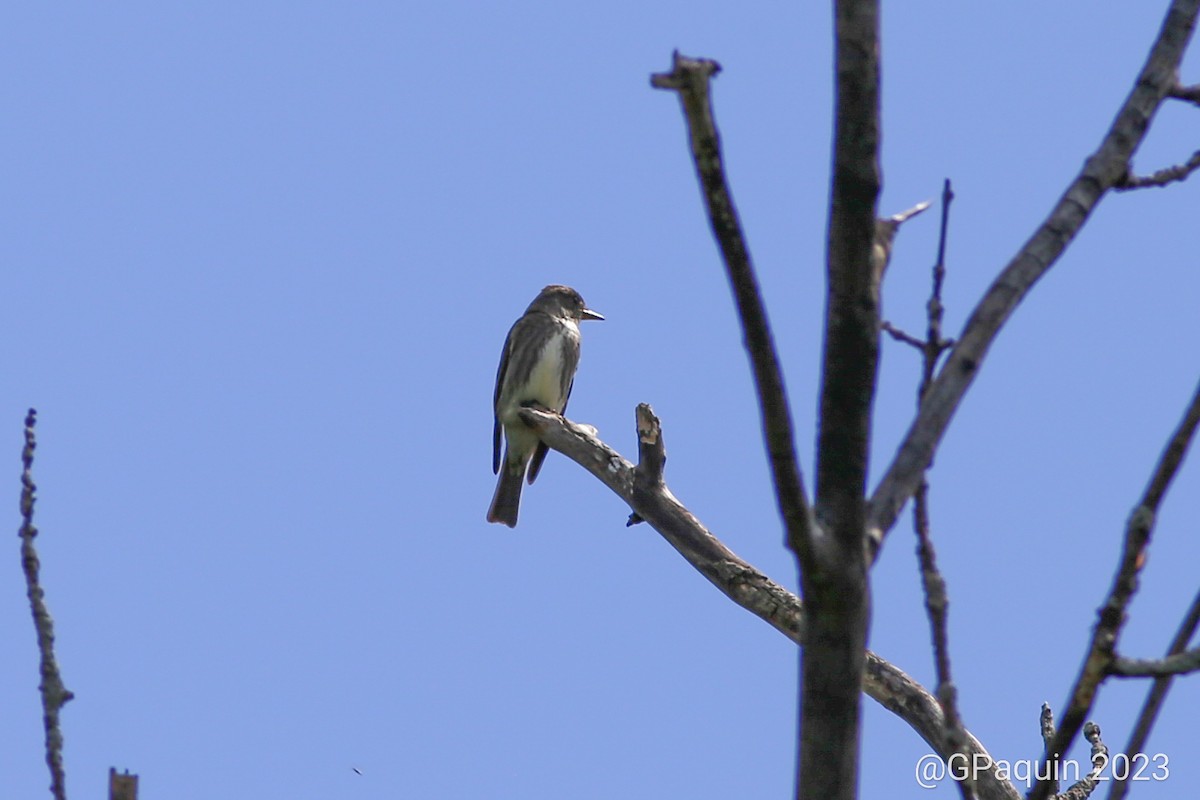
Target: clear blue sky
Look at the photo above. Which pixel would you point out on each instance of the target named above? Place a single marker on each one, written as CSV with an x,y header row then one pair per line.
x,y
258,263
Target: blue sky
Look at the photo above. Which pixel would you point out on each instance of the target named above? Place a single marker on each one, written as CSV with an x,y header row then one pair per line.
x,y
259,260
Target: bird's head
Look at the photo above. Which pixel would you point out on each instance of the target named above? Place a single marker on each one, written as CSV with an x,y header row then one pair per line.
x,y
562,301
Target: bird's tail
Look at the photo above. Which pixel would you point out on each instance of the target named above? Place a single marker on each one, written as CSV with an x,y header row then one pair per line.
x,y
507,499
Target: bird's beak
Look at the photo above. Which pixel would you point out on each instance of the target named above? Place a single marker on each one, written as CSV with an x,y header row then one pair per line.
x,y
587,313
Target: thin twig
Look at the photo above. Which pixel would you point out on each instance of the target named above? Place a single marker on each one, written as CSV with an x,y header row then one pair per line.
x,y
1046,722
1103,170
1177,664
902,336
1162,177
689,78
54,693
1102,648
937,604
1156,696
1173,455
935,345
1189,94
934,585
1085,786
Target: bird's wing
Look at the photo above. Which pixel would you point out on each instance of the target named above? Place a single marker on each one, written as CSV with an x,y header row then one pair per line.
x,y
500,371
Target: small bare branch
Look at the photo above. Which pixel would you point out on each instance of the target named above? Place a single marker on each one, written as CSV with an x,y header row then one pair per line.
x,y
1177,664
937,604
122,786
1046,722
1189,94
1156,696
1102,650
1163,177
689,78
652,453
653,502
1172,457
1084,788
934,585
935,311
902,336
54,694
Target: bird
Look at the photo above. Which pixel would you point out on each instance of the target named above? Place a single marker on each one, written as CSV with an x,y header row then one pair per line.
x,y
537,368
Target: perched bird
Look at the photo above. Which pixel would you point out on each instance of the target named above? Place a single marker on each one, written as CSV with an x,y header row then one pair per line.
x,y
537,367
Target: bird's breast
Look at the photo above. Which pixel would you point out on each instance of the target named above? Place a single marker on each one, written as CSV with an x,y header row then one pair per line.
x,y
547,381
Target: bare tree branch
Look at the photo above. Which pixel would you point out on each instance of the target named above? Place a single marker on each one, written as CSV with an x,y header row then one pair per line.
x,y
1172,457
1177,664
1102,649
834,582
643,489
1162,177
1103,170
1189,94
689,78
1156,696
901,336
1046,721
907,699
934,310
654,503
1084,787
937,603
122,787
833,576
54,693
854,269
934,585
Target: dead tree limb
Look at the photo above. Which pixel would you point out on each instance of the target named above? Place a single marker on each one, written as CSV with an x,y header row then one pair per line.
x,y
54,694
1102,171
1176,664
1163,177
832,569
1155,697
1098,661
643,489
690,78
